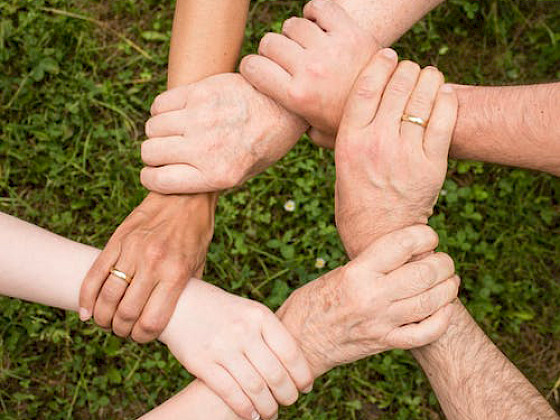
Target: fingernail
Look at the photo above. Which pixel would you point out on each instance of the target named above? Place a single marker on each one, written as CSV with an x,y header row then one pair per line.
x,y
85,315
308,389
447,88
390,53
255,416
275,417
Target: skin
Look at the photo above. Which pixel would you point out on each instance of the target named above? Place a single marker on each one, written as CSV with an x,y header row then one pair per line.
x,y
318,64
410,310
471,377
268,130
165,240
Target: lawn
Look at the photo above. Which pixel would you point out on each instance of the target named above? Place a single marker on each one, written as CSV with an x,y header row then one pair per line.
x,y
77,81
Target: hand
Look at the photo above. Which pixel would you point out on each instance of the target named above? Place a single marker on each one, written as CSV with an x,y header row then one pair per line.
x,y
214,135
389,172
160,245
311,68
239,348
377,302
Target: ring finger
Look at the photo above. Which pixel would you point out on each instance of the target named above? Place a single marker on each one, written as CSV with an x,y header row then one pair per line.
x,y
421,104
113,290
131,305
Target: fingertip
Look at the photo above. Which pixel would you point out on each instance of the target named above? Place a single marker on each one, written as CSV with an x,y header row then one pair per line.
x,y
248,64
389,53
85,314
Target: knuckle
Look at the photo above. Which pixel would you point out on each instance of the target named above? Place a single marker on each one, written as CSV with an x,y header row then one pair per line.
x,y
298,95
316,69
127,313
154,251
151,324
365,87
446,262
256,385
426,275
425,303
111,291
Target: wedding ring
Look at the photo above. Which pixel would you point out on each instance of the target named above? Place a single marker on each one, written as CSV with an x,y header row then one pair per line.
x,y
414,120
119,274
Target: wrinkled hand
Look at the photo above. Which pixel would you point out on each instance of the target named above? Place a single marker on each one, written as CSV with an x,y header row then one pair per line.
x,y
214,135
311,67
378,301
160,245
389,172
239,348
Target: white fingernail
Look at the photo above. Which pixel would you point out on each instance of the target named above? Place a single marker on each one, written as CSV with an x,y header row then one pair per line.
x,y
275,417
308,389
255,416
85,315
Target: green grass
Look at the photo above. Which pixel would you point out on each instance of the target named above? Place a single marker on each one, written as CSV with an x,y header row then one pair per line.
x,y
74,93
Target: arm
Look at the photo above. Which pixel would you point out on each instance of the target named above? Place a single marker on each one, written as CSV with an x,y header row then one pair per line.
x,y
510,125
472,379
409,313
263,131
165,240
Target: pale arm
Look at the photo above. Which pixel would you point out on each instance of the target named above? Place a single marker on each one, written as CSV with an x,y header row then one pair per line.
x,y
510,125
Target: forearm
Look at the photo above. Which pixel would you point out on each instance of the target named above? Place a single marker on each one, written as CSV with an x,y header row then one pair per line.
x,y
388,20
472,378
510,125
206,40
39,266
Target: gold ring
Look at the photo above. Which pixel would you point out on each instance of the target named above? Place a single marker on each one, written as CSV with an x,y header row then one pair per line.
x,y
119,274
415,120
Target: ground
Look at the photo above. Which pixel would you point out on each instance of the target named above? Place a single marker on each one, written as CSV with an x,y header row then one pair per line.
x,y
77,81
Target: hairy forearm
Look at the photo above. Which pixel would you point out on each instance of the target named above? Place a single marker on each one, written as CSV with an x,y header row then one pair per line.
x,y
474,380
388,20
510,125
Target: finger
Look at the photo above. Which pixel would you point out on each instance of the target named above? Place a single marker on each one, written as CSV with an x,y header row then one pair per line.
x,y
424,333
161,151
282,50
113,290
171,100
95,278
175,179
322,139
420,307
253,385
397,94
266,76
132,304
157,311
367,92
421,104
396,248
303,31
440,129
221,382
417,277
330,16
172,123
288,352
277,378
